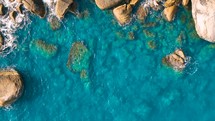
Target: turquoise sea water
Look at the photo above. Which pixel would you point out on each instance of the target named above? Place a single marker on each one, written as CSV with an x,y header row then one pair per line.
x,y
127,80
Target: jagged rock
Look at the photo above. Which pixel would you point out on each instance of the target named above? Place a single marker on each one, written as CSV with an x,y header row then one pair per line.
x,y
203,13
169,3
13,15
11,87
123,13
1,9
169,12
105,4
35,6
185,2
176,60
61,7
133,2
142,13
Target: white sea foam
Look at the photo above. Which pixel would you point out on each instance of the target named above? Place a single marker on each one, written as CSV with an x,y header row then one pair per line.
x,y
51,8
9,27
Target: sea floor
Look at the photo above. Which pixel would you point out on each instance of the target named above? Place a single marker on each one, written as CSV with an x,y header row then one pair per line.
x,y
126,80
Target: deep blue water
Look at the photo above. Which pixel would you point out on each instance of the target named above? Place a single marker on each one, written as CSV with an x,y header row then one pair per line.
x,y
127,80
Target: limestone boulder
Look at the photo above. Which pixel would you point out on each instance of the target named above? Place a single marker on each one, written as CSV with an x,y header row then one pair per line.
x,y
203,12
61,7
123,13
11,87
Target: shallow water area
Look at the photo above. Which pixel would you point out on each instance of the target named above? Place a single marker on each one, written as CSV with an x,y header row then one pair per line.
x,y
128,81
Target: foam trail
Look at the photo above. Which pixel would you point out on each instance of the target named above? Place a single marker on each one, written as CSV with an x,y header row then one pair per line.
x,y
8,27
51,8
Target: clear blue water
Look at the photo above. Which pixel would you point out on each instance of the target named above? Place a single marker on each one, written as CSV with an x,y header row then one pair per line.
x,y
128,81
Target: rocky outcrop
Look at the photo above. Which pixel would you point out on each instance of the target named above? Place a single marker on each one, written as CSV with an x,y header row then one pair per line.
x,y
11,87
169,12
123,13
204,17
61,7
54,23
176,60
35,6
105,4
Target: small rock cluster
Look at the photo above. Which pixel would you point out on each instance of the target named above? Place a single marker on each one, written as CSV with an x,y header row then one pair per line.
x,y
176,60
122,10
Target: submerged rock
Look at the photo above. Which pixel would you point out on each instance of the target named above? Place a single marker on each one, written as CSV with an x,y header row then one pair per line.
x,y
169,12
204,16
73,8
123,13
11,87
42,48
54,23
176,60
35,6
61,7
79,57
105,4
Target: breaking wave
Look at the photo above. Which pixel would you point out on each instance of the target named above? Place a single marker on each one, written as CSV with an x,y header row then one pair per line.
x,y
9,27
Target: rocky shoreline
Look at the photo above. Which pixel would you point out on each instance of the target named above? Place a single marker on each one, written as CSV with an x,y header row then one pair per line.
x,y
11,85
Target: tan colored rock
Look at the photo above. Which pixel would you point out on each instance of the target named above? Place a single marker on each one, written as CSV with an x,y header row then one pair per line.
x,y
1,9
169,3
123,13
185,2
11,87
203,12
35,6
61,7
169,12
133,2
13,15
142,12
176,60
105,4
